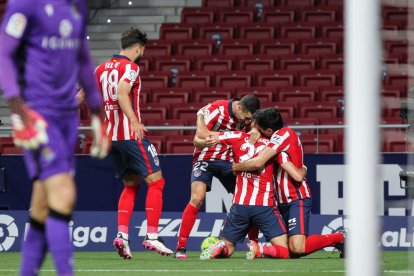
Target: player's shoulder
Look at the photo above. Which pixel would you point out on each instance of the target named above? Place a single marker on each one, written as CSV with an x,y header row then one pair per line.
x,y
220,103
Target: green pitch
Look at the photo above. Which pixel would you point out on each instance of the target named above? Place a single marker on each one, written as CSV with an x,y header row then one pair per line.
x,y
148,263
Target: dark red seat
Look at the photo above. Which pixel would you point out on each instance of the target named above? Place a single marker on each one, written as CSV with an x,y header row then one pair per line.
x,y
176,31
195,47
214,63
234,79
182,63
276,79
257,31
197,15
236,15
171,95
256,63
157,79
194,79
179,145
237,47
278,47
265,94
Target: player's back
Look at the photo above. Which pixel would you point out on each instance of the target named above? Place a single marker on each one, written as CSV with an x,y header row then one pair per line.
x,y
287,140
51,33
108,75
256,187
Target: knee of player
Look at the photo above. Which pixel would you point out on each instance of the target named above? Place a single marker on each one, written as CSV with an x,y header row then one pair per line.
x,y
296,248
197,200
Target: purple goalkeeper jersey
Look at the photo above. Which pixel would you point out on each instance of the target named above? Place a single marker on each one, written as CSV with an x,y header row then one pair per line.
x,y
44,52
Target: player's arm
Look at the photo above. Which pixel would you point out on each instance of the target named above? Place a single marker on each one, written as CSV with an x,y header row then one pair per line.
x,y
211,140
298,174
257,162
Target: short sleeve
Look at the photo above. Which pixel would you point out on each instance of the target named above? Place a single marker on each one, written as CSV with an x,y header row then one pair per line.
x,y
16,18
131,72
282,158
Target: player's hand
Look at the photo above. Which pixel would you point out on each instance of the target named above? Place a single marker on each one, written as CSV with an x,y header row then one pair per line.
x,y
29,129
234,168
138,129
211,140
254,135
101,142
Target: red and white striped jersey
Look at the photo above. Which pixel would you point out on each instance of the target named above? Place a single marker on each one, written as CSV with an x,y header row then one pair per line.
x,y
108,75
218,116
287,142
252,188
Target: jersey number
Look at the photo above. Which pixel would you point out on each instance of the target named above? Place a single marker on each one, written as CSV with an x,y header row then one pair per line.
x,y
200,166
109,83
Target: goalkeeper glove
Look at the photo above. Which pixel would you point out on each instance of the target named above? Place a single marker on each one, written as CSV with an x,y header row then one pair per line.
x,y
101,142
29,129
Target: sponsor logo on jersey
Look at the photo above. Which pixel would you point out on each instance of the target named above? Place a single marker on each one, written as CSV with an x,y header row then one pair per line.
x,y
65,28
49,10
16,25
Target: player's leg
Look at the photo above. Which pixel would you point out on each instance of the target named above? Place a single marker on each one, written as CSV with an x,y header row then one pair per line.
x,y
34,247
270,223
201,178
219,250
125,209
144,161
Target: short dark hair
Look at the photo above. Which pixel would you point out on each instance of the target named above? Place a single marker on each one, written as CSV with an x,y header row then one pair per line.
x,y
249,103
132,37
268,118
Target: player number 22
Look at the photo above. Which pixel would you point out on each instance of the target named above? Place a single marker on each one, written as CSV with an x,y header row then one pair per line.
x,y
200,166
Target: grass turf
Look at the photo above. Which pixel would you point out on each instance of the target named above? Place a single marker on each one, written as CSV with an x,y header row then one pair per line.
x,y
149,263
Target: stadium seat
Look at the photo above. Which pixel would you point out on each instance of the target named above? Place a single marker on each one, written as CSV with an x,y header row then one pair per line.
x,y
197,15
396,47
153,111
319,110
234,79
225,30
143,96
313,143
176,31
236,15
297,94
195,47
194,79
392,58
171,96
391,91
286,109
237,47
331,93
298,30
154,80
155,48
318,78
265,94
180,145
257,31
145,64
165,63
211,95
5,142
188,112
214,63
218,3
338,3
279,15
297,3
332,30
392,121
332,62
399,79
395,13
321,46
166,133
256,63
319,15
307,122
158,142
298,62
276,78
278,47
395,141
252,3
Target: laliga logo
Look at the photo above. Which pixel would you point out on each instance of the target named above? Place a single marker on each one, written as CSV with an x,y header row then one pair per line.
x,y
8,229
334,226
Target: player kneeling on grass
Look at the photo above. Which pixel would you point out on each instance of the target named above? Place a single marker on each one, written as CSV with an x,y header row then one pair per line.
x,y
253,202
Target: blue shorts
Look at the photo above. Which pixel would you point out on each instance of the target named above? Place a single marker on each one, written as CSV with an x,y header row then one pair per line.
x,y
296,216
134,157
242,217
205,170
58,155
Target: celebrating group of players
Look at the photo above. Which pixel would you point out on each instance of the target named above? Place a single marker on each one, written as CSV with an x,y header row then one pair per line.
x,y
48,40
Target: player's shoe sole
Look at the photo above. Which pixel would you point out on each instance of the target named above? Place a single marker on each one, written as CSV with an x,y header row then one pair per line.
x,y
254,250
213,251
122,250
181,253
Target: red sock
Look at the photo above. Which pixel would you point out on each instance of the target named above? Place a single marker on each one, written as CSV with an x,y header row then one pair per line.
x,y
187,223
126,207
276,251
253,233
317,242
225,252
153,205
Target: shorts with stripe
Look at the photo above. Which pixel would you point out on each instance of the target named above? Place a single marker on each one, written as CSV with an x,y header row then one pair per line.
x,y
204,171
242,217
134,157
296,216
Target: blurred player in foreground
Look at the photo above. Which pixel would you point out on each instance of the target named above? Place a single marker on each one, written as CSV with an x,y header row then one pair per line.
x,y
132,153
253,203
213,161
293,197
43,53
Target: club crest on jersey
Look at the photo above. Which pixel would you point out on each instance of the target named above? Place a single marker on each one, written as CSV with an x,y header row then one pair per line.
x,y
16,25
197,173
49,10
48,154
156,161
65,28
132,75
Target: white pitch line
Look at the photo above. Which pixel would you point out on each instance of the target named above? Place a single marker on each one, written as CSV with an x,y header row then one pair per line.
x,y
210,270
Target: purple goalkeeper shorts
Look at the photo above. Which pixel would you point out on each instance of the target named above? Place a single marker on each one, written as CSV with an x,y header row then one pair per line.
x,y
57,156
